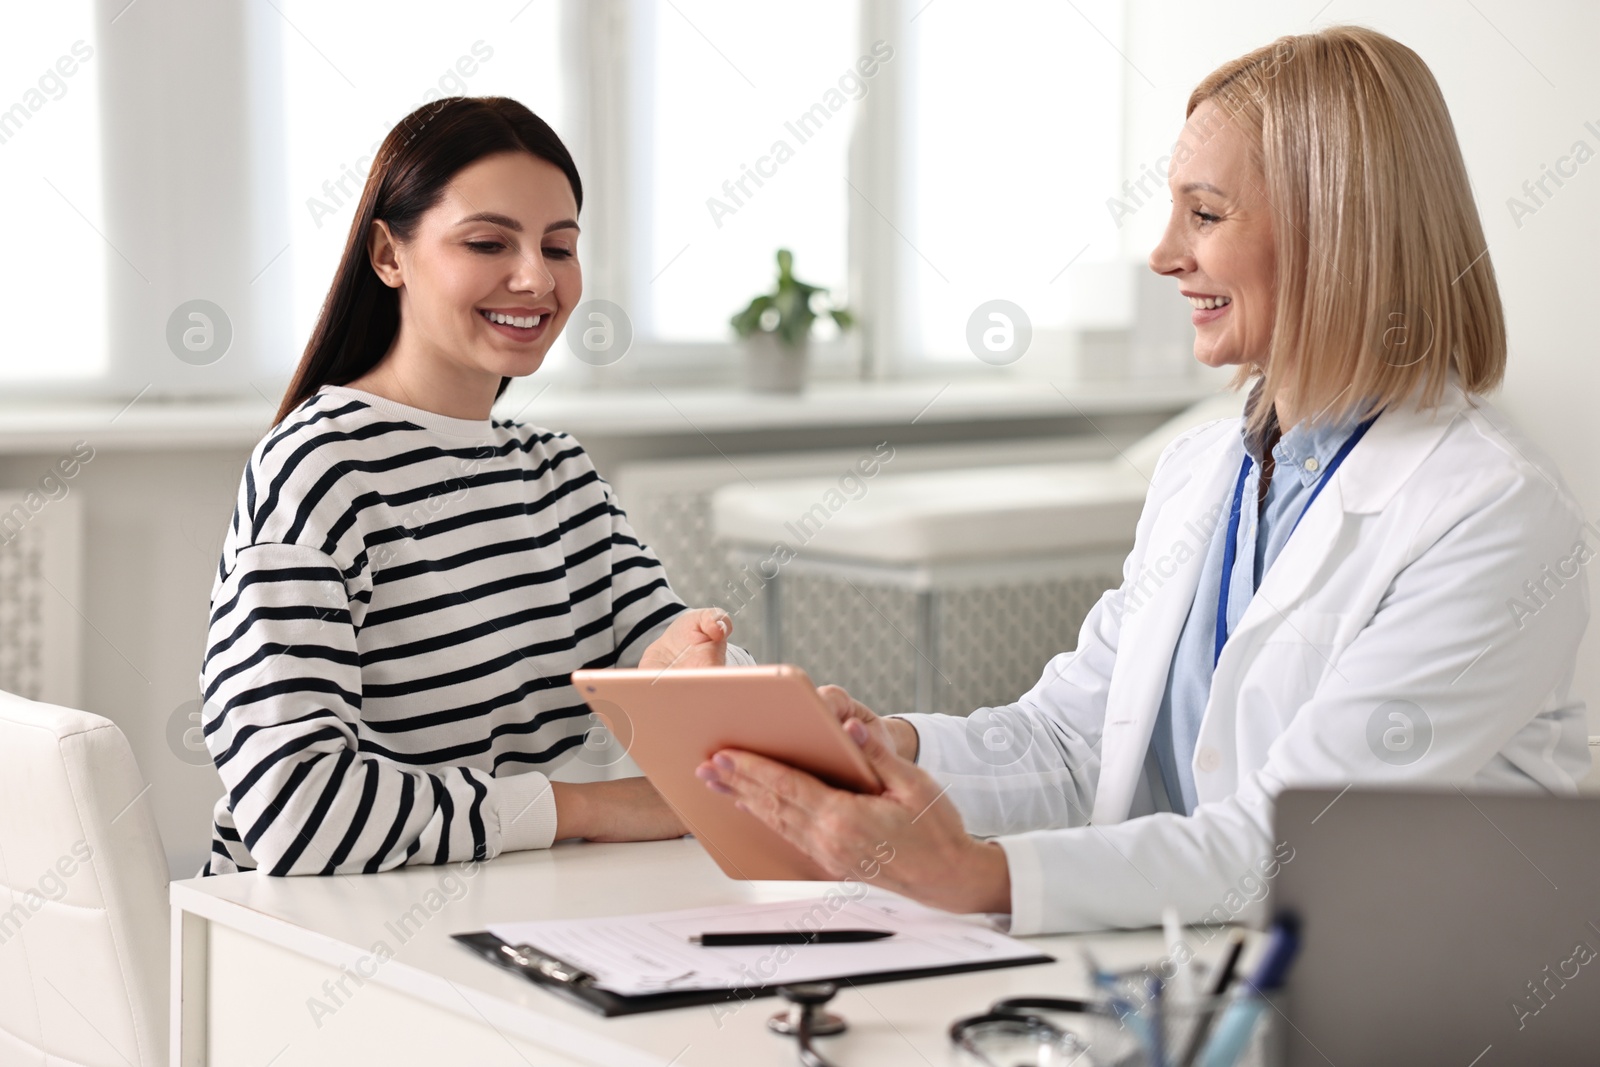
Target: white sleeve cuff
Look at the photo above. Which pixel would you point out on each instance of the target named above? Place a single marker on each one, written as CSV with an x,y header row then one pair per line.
x,y
1027,885
525,808
934,733
922,738
738,657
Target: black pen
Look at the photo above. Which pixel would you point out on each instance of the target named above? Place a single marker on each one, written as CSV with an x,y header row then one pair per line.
x,y
1221,978
789,937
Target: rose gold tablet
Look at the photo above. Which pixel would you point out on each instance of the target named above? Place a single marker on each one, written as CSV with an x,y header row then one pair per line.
x,y
672,721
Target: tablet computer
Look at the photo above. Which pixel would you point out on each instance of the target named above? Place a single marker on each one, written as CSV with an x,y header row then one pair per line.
x,y
672,721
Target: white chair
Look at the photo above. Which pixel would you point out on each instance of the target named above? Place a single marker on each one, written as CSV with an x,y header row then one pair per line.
x,y
83,895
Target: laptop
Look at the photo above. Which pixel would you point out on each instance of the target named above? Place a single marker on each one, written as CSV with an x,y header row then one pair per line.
x,y
1441,927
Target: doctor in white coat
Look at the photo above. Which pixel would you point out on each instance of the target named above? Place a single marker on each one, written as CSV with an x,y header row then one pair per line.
x,y
1369,578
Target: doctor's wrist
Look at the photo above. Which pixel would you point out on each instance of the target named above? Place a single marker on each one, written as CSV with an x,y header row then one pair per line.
x,y
988,884
907,742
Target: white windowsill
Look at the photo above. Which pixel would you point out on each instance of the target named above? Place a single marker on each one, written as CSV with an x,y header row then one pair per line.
x,y
202,424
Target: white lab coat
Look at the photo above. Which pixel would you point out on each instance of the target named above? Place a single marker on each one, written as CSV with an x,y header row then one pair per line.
x,y
1401,584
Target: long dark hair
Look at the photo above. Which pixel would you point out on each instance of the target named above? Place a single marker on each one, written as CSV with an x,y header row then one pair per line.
x,y
361,315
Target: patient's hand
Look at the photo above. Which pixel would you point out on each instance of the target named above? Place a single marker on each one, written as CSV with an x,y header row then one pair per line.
x,y
897,735
696,638
626,809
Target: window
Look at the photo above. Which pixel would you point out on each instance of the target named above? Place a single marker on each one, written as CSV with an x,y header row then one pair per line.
x,y
743,132
348,78
57,257
938,156
1010,132
918,158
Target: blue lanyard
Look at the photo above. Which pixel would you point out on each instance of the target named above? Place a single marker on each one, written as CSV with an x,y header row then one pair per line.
x,y
1230,549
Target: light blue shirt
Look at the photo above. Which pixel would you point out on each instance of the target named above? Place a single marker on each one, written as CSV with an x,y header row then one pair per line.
x,y
1299,458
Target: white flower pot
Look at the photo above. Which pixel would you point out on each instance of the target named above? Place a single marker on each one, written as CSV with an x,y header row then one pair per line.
x,y
770,366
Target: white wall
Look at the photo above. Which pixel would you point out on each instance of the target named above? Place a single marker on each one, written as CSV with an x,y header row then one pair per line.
x,y
154,524
1521,80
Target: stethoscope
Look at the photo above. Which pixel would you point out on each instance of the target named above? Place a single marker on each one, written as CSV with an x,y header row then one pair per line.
x,y
805,1019
1020,1015
1230,549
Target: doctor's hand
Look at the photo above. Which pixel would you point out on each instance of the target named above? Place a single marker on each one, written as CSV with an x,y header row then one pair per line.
x,y
909,838
895,734
698,637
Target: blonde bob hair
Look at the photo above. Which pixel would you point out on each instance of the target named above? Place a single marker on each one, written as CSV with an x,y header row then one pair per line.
x,y
1383,277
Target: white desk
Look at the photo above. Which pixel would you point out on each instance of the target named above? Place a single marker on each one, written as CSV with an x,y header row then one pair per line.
x,y
252,954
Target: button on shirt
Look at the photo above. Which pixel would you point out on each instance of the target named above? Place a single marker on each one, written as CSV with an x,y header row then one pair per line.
x,y
1299,458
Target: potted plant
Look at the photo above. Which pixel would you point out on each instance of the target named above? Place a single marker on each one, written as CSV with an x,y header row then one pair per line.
x,y
776,329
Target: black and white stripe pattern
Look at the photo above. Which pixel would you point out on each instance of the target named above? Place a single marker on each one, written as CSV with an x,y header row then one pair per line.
x,y
398,606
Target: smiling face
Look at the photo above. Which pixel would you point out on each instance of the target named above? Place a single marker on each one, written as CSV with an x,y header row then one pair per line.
x,y
486,281
1218,244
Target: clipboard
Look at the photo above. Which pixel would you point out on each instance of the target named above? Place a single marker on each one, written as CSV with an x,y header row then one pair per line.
x,y
575,985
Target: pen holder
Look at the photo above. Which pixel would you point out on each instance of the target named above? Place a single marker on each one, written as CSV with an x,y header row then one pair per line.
x,y
1241,1029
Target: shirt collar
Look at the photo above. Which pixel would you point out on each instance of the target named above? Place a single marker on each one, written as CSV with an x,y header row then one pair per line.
x,y
1305,449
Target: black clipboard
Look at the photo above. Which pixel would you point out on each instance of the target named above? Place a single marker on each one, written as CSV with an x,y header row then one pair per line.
x,y
575,985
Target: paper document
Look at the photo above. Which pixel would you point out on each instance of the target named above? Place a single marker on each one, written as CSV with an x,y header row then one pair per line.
x,y
634,954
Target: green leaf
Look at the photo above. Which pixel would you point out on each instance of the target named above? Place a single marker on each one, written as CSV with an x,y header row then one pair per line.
x,y
748,321
791,298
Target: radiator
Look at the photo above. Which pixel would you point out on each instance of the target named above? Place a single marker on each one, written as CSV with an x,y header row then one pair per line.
x,y
994,639
41,593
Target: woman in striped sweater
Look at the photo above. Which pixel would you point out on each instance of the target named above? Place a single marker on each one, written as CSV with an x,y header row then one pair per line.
x,y
408,583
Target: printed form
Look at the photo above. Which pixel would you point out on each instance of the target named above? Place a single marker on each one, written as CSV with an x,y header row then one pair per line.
x,y
653,953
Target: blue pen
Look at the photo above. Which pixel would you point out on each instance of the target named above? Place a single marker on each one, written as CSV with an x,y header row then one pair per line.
x,y
1099,977
1130,1015
1158,1026
1232,1034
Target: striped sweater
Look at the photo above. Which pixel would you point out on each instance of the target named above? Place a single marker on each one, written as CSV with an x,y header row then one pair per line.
x,y
400,600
